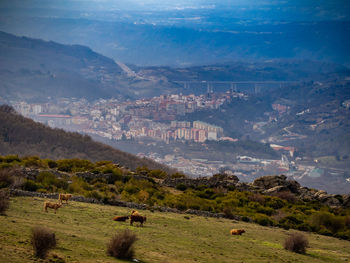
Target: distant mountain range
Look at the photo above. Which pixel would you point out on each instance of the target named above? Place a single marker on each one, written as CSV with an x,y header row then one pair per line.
x,y
23,136
34,70
190,34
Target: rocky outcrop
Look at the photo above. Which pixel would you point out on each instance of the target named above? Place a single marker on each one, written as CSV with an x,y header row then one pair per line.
x,y
269,185
272,185
279,182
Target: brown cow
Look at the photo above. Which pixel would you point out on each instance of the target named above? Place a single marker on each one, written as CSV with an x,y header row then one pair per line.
x,y
237,231
62,197
121,218
137,218
48,204
134,212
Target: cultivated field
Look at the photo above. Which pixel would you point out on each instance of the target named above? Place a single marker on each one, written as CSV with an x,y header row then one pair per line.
x,y
84,229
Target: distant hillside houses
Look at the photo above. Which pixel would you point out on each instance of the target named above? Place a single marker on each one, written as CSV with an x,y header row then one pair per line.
x,y
183,130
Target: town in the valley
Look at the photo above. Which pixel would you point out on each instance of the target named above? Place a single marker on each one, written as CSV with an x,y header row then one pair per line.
x,y
158,122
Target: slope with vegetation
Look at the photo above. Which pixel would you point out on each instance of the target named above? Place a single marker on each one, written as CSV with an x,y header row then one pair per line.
x,y
284,204
83,230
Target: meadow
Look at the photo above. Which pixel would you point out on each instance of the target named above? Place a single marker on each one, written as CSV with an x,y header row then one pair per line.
x,y
83,231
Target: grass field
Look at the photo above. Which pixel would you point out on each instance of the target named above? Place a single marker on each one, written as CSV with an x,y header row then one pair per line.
x,y
84,229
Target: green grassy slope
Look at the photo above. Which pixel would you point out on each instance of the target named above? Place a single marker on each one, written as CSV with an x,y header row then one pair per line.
x,y
84,229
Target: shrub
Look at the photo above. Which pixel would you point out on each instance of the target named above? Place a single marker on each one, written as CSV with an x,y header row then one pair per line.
x,y
288,196
347,222
42,240
121,245
30,185
296,243
11,158
4,201
256,198
51,164
6,178
245,219
178,175
228,212
157,174
263,220
331,222
31,161
181,187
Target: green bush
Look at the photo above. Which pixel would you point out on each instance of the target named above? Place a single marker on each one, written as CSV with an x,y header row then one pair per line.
x,y
178,175
263,220
51,164
245,219
181,187
157,174
329,221
11,159
74,165
32,161
30,185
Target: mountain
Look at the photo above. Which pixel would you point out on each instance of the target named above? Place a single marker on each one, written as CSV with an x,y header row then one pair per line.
x,y
19,135
190,34
33,69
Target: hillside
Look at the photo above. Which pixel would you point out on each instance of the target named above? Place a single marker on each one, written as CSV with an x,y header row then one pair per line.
x,y
33,70
19,135
84,229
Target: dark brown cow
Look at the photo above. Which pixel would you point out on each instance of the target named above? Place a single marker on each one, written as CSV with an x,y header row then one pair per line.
x,y
237,231
137,218
120,218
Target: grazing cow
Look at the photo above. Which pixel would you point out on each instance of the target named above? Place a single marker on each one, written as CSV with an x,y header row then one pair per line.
x,y
65,197
48,204
237,231
137,218
121,218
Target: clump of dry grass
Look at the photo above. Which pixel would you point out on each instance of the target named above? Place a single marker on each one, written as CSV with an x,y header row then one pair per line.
x,y
42,240
4,201
297,243
121,245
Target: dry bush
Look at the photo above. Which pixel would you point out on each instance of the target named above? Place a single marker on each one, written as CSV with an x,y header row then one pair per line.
x,y
121,245
288,196
297,243
42,240
347,222
256,198
4,201
6,178
228,213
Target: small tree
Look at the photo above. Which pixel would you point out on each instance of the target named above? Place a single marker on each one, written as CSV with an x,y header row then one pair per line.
x,y
42,240
121,245
297,243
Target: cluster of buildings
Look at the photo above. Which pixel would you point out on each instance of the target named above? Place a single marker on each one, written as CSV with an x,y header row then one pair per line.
x,y
119,120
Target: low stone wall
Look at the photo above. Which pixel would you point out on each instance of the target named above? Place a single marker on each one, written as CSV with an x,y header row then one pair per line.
x,y
18,192
221,180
